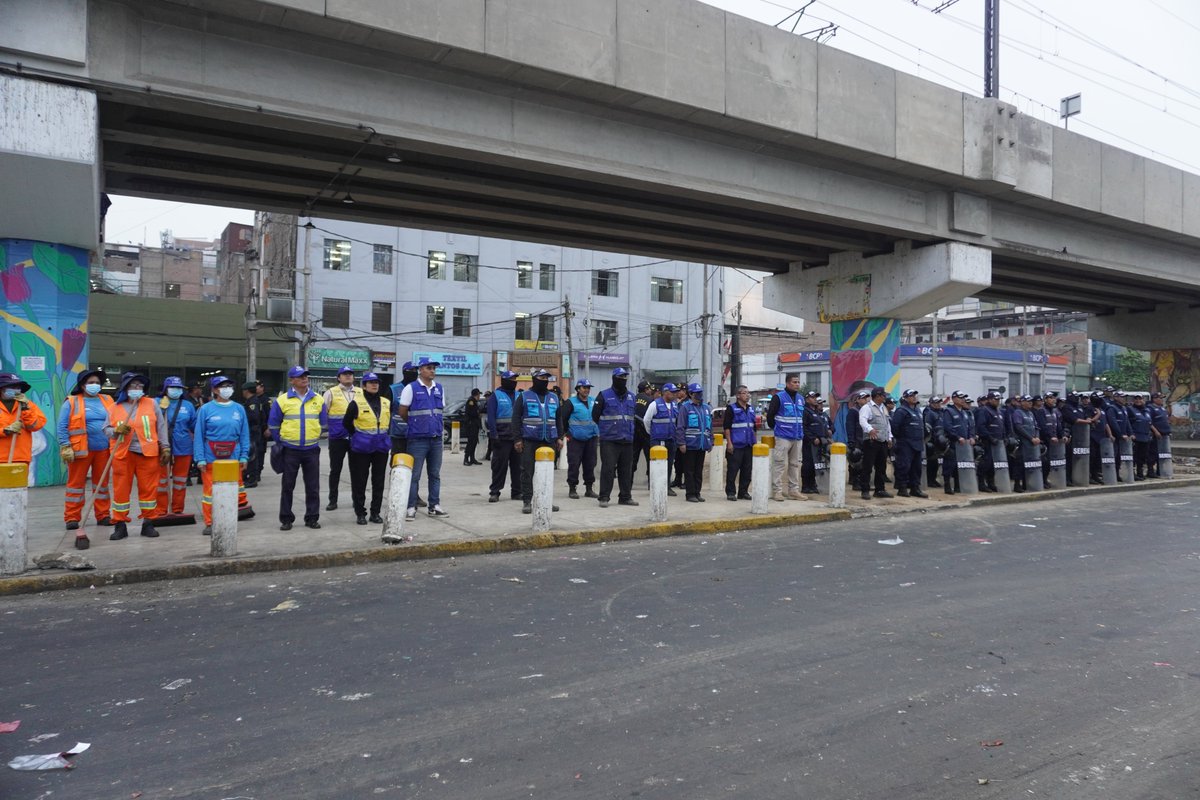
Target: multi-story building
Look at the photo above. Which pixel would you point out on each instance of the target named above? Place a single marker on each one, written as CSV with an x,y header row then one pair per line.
x,y
382,295
232,279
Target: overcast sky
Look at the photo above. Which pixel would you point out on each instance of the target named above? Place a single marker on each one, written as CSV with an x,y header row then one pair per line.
x,y
1136,63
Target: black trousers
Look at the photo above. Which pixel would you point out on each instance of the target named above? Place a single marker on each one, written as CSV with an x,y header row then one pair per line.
x,y
616,462
295,461
254,465
1145,457
987,467
505,461
641,449
338,448
808,469
529,449
1094,466
363,465
472,431
739,463
875,459
931,466
693,472
581,454
908,467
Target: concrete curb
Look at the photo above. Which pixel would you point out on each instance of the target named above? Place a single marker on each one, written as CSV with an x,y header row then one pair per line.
x,y
29,584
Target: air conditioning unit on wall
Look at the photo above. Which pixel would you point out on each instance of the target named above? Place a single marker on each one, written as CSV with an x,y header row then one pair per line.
x,y
279,309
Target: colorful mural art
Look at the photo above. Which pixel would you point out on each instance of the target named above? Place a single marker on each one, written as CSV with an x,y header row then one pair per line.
x,y
864,353
43,333
1176,373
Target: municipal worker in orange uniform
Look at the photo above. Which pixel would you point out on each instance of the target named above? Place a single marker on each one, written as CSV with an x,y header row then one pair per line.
x,y
19,418
84,448
139,429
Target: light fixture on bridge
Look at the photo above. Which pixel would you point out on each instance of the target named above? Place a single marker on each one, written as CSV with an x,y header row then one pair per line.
x,y
348,200
395,158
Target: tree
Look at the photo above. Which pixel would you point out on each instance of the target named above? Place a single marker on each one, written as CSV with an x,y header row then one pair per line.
x,y
1131,374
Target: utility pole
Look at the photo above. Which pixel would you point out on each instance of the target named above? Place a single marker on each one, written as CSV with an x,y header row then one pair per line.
x,y
587,341
991,48
735,353
933,354
704,339
306,319
1024,350
570,340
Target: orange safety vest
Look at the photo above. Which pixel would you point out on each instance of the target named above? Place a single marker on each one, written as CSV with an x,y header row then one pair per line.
x,y
77,421
20,446
144,422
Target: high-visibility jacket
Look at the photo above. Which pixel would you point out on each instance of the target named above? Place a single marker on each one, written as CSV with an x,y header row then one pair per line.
x,y
662,424
77,430
370,431
617,417
144,423
540,419
580,424
337,409
425,413
789,421
741,427
33,419
300,424
693,426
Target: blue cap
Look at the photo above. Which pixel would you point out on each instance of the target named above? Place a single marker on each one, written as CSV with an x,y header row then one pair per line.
x,y
582,383
620,372
173,381
346,368
297,372
541,373
695,388
408,367
370,376
217,380
507,375
670,387
425,361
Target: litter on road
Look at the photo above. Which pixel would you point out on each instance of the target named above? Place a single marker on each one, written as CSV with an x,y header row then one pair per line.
x,y
49,761
9,727
893,542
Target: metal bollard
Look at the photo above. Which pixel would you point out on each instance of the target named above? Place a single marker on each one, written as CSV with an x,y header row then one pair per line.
x,y
968,478
14,517
760,478
543,488
716,464
1031,459
1057,455
1108,462
225,475
1166,466
837,475
455,431
1081,453
1125,468
1002,479
397,499
658,483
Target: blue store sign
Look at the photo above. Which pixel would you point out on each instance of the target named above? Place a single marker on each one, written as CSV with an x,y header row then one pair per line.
x,y
455,363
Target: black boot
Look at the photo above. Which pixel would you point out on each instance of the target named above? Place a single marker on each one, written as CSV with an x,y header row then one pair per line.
x,y
148,530
588,491
120,531
362,519
574,493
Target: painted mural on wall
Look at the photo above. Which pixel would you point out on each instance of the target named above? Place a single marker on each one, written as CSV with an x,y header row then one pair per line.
x,y
43,319
1176,373
863,353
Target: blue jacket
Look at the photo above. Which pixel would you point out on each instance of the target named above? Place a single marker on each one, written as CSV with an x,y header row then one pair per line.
x,y
957,424
662,424
740,424
616,415
1140,423
538,417
184,430
221,422
1024,425
908,427
425,413
789,420
499,416
989,423
579,422
1118,419
693,426
1159,418
398,427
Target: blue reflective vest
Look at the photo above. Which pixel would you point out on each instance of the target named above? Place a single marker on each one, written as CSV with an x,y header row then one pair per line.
x,y
1139,423
693,426
617,417
741,430
1160,419
540,421
662,424
789,421
502,420
398,428
580,424
425,413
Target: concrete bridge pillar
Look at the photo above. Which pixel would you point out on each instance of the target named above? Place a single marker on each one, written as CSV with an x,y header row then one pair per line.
x,y
865,298
1172,335
49,228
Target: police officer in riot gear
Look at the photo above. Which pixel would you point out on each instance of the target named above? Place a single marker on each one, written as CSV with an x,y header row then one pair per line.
x,y
815,437
933,422
908,428
958,425
1026,430
1117,416
990,426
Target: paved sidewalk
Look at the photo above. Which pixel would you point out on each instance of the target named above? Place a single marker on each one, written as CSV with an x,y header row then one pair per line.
x,y
473,526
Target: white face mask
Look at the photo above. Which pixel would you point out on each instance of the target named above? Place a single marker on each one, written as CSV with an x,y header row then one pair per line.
x,y
92,389
225,392
135,394
10,393
174,393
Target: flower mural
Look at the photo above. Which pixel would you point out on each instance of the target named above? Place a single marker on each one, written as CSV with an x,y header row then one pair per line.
x,y
44,332
862,353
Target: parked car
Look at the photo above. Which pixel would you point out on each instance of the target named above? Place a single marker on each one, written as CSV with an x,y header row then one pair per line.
x,y
454,413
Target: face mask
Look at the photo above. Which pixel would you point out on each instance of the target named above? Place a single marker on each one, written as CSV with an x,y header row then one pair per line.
x,y
10,393
541,386
92,389
174,393
619,384
508,385
225,392
135,394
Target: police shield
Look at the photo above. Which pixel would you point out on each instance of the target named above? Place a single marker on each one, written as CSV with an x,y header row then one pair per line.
x,y
1057,456
1125,467
821,465
1031,461
968,480
1108,462
1081,453
1166,467
1002,479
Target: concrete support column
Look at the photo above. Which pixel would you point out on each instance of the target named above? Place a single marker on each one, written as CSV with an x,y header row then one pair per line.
x,y
543,488
225,474
397,499
658,483
14,517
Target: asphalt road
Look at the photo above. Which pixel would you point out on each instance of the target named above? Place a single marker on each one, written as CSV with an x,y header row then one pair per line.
x,y
1059,660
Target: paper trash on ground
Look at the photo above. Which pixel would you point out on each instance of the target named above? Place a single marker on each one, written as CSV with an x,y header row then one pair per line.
x,y
48,761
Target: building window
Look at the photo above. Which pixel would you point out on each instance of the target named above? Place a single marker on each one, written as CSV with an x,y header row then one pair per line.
x,y
665,337
435,319
335,312
666,290
986,334
812,381
171,290
337,254
1039,330
437,265
604,283
524,329
381,316
604,332
546,327
1002,333
524,274
383,259
1014,383
546,277
466,268
462,322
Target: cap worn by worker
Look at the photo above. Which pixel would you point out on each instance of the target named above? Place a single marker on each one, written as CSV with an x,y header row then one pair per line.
x,y
541,373
878,392
1156,394
346,368
507,375
408,367
620,372
910,393
1026,398
297,372
8,379
173,381
813,394
695,388
670,387
1118,393
643,386
961,395
1036,398
369,377
249,386
217,380
993,395
583,383
425,361
1052,394
862,393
